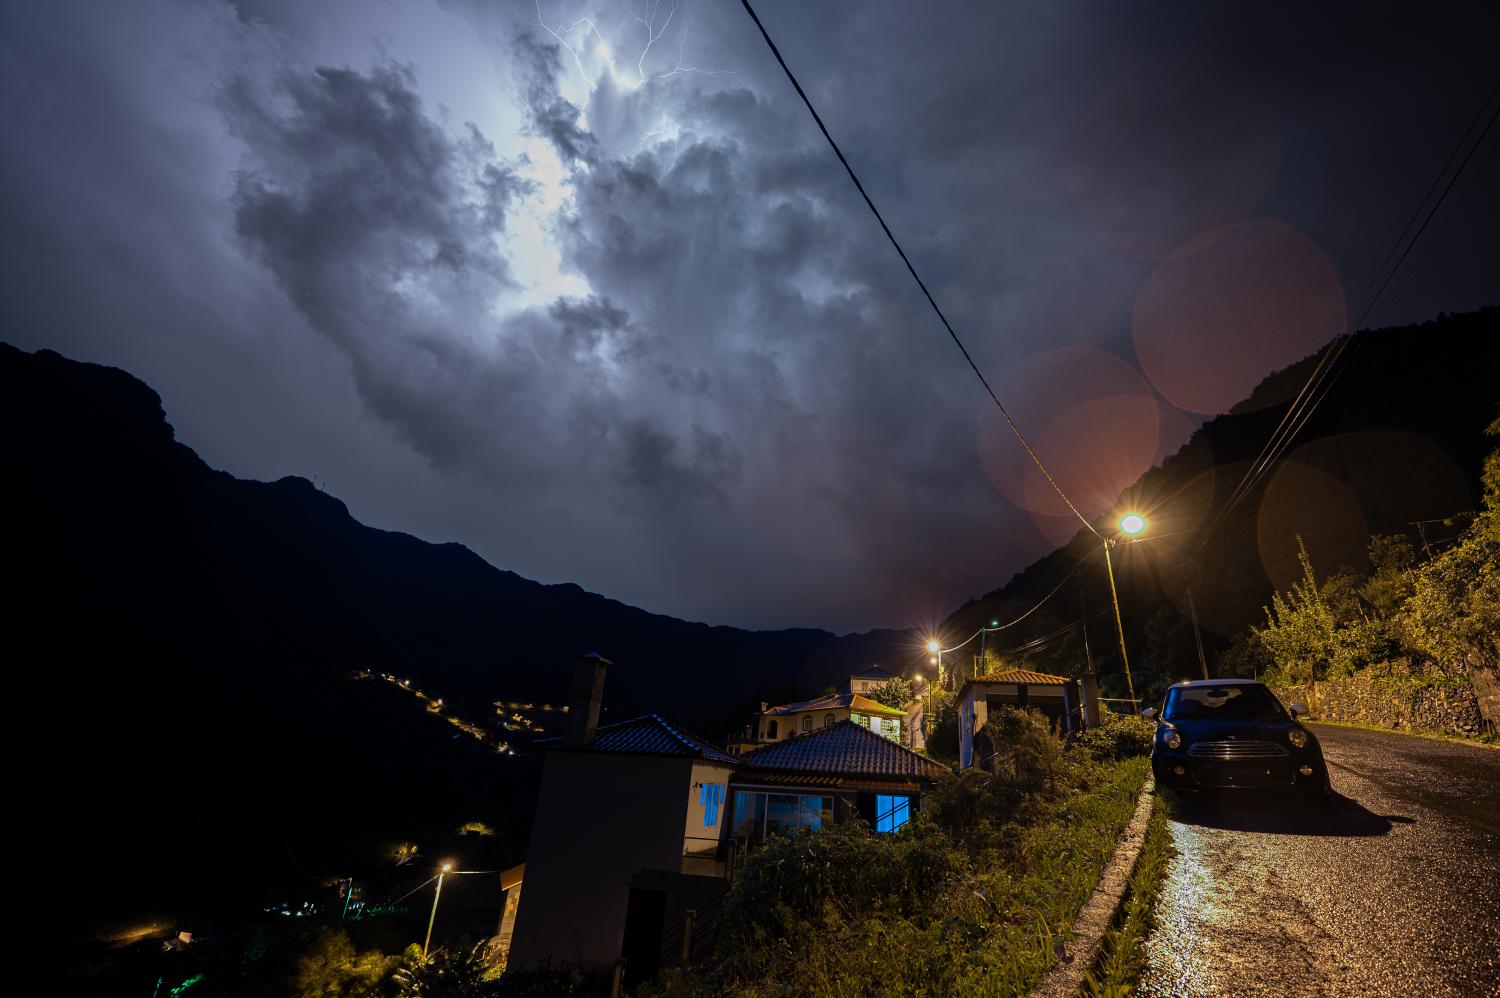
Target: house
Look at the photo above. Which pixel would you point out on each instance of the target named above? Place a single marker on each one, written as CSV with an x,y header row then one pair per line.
x,y
1057,697
826,776
805,716
632,845
869,681
626,836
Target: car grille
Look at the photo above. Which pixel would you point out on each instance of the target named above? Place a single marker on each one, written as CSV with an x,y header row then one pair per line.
x,y
1226,751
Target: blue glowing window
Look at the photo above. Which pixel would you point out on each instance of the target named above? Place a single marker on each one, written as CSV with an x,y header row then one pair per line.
x,y
891,812
711,796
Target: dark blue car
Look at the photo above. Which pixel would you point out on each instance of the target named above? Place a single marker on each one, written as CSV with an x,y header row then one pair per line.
x,y
1231,734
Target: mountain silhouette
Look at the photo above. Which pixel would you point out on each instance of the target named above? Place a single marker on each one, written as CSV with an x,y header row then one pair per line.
x,y
1394,447
180,642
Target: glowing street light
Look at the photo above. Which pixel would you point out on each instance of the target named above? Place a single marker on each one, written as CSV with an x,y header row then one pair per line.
x,y
934,647
1131,525
447,868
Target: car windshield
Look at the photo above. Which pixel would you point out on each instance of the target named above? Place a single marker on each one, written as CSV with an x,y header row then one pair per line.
x,y
1243,702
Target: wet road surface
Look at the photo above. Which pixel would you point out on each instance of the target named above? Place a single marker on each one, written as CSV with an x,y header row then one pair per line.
x,y
1391,887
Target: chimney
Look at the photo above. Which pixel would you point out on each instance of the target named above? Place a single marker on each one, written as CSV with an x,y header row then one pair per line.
x,y
588,694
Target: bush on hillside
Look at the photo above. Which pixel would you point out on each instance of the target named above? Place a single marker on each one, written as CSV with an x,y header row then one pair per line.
x,y
1120,737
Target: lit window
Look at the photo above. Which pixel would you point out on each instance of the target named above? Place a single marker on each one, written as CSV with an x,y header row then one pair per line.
x,y
827,720
807,722
757,815
711,796
891,812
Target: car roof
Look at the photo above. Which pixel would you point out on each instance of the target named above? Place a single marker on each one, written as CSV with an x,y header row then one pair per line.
x,y
1218,682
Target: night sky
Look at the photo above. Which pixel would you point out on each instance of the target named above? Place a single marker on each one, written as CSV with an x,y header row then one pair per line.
x,y
594,298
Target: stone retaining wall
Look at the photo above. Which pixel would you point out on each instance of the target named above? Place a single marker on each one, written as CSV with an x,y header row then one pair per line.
x,y
1391,696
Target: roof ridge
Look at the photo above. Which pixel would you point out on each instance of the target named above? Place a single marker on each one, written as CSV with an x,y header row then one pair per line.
x,y
884,742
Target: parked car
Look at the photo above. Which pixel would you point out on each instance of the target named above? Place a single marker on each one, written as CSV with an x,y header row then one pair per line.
x,y
1233,734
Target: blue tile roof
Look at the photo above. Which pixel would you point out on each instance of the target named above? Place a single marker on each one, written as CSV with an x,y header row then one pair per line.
x,y
844,749
650,734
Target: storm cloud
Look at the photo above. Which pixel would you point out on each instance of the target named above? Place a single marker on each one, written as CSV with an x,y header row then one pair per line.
x,y
580,285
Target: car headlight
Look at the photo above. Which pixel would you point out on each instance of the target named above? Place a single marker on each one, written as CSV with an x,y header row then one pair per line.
x,y
1297,737
1172,740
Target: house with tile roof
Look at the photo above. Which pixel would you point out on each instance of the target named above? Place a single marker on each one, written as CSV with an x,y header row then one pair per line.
x,y
826,776
869,681
805,716
1058,698
627,836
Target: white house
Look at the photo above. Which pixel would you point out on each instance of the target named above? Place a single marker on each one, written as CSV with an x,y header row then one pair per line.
x,y
625,839
1058,698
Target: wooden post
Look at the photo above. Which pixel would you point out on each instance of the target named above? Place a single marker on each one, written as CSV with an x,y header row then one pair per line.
x,y
619,978
688,919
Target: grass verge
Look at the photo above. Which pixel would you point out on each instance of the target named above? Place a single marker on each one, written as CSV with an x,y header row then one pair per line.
x,y
1122,954
972,900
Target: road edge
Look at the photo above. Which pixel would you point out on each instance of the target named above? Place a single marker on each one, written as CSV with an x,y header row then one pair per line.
x,y
1064,978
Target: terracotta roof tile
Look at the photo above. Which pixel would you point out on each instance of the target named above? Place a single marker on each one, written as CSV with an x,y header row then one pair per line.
x,y
835,701
844,749
1022,677
650,734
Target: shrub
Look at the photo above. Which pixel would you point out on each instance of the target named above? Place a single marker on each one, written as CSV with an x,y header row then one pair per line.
x,y
1119,737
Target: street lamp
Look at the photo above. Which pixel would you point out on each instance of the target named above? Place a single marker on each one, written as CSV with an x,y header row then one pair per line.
x,y
936,657
984,641
1131,525
447,867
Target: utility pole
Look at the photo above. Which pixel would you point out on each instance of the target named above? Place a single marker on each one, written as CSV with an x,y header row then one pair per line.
x,y
1114,596
433,917
1197,634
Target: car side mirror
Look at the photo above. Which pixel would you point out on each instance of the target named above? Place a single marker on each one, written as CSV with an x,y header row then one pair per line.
x,y
1299,710
1149,713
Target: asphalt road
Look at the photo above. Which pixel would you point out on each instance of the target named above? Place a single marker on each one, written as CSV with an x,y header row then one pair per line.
x,y
1392,887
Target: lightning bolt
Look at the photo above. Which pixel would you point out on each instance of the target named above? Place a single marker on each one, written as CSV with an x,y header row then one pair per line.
x,y
647,19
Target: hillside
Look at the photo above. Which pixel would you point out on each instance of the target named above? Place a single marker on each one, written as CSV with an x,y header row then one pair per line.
x,y
1398,440
179,642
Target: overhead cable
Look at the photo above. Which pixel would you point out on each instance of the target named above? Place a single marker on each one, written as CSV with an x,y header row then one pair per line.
x,y
913,271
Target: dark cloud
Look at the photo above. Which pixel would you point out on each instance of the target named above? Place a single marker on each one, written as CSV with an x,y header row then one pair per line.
x,y
610,312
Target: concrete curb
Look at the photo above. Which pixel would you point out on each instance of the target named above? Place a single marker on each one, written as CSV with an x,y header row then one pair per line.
x,y
1065,979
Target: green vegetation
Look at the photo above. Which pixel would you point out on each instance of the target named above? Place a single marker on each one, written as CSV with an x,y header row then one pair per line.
x,y
1122,954
896,692
971,898
1437,615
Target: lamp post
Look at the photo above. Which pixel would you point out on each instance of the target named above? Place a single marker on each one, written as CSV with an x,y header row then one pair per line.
x,y
433,917
1132,525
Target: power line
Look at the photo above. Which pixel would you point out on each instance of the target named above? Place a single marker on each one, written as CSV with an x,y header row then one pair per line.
x,y
1324,376
913,270
1012,623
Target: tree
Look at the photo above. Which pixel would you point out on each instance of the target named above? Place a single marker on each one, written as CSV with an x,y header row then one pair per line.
x,y
896,692
1315,629
462,971
334,969
1390,582
1453,612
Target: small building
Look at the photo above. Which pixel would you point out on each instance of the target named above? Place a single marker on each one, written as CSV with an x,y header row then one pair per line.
x,y
827,776
869,681
626,837
806,716
1058,698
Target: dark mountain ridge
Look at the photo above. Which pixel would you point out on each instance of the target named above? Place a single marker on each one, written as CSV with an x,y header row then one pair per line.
x,y
1398,440
179,644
